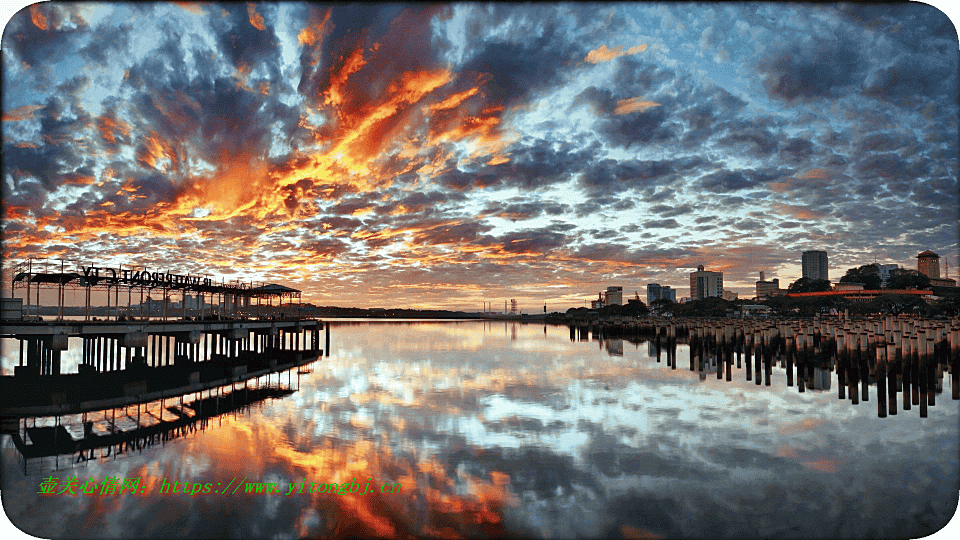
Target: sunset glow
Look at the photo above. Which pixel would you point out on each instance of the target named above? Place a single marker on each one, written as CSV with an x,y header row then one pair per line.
x,y
446,156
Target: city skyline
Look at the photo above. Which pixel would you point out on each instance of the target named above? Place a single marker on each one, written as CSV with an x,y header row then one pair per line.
x,y
440,157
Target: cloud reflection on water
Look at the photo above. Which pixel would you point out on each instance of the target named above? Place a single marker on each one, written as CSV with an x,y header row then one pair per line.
x,y
537,437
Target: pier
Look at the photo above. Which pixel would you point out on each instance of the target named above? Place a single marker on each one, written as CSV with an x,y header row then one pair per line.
x,y
128,362
112,432
225,333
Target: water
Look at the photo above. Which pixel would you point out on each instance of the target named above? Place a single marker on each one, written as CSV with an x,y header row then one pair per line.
x,y
501,429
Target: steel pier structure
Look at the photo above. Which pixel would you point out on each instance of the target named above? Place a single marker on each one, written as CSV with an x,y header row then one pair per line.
x,y
128,362
119,284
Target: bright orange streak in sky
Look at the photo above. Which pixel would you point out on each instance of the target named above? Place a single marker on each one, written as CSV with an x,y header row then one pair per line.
x,y
21,113
38,18
634,104
256,20
604,54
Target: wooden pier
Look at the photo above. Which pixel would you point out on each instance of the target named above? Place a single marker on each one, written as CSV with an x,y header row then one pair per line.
x,y
897,354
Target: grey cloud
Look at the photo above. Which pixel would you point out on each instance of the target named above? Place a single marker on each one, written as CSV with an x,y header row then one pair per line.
x,y
820,68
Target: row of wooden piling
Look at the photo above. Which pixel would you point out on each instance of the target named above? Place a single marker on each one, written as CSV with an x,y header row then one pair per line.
x,y
896,353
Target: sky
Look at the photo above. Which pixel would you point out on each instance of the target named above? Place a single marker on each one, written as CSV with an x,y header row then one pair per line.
x,y
444,156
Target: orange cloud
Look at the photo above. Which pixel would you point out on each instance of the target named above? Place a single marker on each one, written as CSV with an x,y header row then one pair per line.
x,y
310,35
353,64
625,106
603,54
21,113
109,126
256,20
454,100
38,18
799,212
807,424
192,7
153,150
816,173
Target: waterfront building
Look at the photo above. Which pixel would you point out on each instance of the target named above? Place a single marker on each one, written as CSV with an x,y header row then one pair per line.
x,y
815,265
613,296
705,284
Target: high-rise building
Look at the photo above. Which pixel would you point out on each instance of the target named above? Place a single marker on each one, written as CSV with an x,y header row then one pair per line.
x,y
704,284
657,292
928,264
815,265
613,296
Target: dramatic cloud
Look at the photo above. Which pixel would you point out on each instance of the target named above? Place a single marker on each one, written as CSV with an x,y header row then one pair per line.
x,y
537,152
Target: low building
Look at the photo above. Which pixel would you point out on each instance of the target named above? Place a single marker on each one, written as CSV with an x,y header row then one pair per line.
x,y
754,310
729,295
849,286
766,289
862,295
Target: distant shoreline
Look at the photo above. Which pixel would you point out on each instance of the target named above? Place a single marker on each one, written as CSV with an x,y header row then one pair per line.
x,y
326,312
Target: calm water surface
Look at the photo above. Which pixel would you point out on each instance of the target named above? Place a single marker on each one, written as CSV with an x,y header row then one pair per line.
x,y
502,429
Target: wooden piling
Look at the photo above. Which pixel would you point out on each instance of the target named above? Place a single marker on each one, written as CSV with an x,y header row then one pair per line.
x,y
863,367
881,382
891,377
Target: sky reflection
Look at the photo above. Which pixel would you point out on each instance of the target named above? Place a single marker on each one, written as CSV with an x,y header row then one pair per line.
x,y
501,429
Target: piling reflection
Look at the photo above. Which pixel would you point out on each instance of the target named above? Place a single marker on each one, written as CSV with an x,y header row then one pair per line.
x,y
527,431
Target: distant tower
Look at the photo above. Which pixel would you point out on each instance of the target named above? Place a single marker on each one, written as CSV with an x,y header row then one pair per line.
x,y
815,265
928,264
513,306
